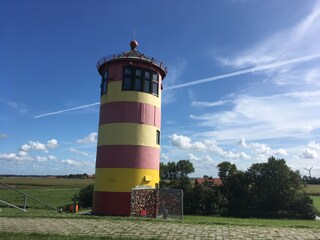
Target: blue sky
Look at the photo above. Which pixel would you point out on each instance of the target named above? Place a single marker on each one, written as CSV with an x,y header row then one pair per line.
x,y
259,61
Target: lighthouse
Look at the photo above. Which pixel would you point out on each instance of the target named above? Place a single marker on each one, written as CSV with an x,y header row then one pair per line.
x,y
128,148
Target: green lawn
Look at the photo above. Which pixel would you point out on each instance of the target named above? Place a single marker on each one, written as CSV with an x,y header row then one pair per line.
x,y
316,202
54,191
295,223
53,196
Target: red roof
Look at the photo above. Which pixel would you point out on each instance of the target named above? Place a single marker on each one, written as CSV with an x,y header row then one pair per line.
x,y
214,181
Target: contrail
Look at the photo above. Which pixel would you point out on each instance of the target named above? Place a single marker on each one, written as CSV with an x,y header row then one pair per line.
x,y
66,110
205,80
249,70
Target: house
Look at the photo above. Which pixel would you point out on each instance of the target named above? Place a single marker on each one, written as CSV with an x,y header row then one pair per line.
x,y
211,182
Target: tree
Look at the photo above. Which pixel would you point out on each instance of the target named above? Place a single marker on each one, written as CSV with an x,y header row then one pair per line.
x,y
184,167
274,184
201,200
173,171
235,187
226,169
265,189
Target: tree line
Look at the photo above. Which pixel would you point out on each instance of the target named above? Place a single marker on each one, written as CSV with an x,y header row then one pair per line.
x,y
311,180
269,189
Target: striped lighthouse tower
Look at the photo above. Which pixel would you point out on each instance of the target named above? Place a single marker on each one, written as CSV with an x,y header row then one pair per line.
x,y
128,151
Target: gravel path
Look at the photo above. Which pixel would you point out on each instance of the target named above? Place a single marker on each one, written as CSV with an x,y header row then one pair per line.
x,y
146,229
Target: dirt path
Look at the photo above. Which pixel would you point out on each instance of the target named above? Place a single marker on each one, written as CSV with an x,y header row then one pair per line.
x,y
145,229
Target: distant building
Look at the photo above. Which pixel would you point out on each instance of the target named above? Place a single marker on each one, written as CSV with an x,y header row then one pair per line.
x,y
211,182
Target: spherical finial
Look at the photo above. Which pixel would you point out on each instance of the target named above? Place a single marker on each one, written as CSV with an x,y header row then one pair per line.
x,y
133,44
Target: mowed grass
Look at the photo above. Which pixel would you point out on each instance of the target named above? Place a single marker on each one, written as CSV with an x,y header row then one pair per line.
x,y
316,202
53,191
56,197
258,222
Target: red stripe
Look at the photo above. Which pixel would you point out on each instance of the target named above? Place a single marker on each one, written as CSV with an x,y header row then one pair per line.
x,y
130,112
111,203
127,156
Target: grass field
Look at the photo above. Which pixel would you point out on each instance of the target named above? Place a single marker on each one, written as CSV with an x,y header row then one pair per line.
x,y
58,192
42,182
313,188
316,202
54,191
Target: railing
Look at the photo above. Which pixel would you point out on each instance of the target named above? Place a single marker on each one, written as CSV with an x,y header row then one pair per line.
x,y
26,196
127,55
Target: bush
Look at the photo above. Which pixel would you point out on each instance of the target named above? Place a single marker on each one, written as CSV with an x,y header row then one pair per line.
x,y
85,196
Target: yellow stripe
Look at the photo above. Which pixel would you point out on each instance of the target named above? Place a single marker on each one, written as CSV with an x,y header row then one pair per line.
x,y
115,94
123,179
128,134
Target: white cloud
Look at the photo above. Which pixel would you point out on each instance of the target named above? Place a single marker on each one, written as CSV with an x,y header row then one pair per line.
x,y
193,158
244,156
53,143
183,142
164,157
76,164
260,149
91,138
78,152
16,157
38,146
309,154
31,145
41,159
71,163
3,136
207,104
265,117
281,152
242,143
301,39
314,145
51,157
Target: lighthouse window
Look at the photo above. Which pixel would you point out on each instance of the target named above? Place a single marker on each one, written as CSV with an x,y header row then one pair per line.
x,y
158,137
155,88
138,73
137,84
104,83
147,75
139,79
127,83
155,84
146,86
127,71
